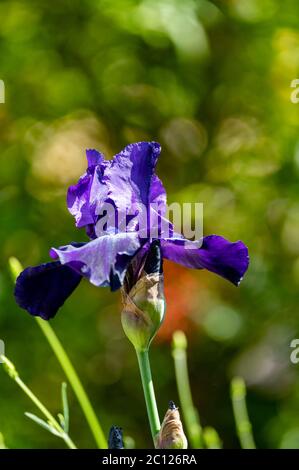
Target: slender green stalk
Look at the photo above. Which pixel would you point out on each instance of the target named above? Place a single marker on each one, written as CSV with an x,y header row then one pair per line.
x,y
68,368
243,425
190,413
211,438
149,393
75,382
2,443
10,368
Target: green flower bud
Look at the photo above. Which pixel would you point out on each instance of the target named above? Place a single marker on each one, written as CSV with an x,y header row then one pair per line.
x,y
143,310
171,435
179,341
144,302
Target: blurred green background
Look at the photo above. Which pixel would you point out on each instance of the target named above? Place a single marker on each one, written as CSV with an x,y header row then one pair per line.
x,y
211,82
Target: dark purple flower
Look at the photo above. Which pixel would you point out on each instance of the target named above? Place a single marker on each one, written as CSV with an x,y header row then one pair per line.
x,y
43,289
127,183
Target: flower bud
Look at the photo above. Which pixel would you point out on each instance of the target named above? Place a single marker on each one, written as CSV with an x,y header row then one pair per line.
x,y
115,440
143,300
171,435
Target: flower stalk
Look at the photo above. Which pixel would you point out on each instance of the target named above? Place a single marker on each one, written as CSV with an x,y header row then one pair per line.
x,y
190,414
142,315
75,383
2,443
68,368
211,438
243,425
149,392
51,421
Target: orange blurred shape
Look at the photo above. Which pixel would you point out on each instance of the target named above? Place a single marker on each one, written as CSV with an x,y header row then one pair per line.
x,y
181,292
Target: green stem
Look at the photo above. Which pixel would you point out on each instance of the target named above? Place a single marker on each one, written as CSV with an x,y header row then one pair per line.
x,y
149,393
75,382
51,420
68,368
2,443
211,438
243,425
190,414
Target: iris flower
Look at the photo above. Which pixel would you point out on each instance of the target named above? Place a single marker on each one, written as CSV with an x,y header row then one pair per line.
x,y
127,182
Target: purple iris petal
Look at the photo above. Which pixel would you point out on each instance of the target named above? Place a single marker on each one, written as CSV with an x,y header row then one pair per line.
x,y
157,194
128,182
94,158
229,260
104,260
43,289
78,196
130,175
